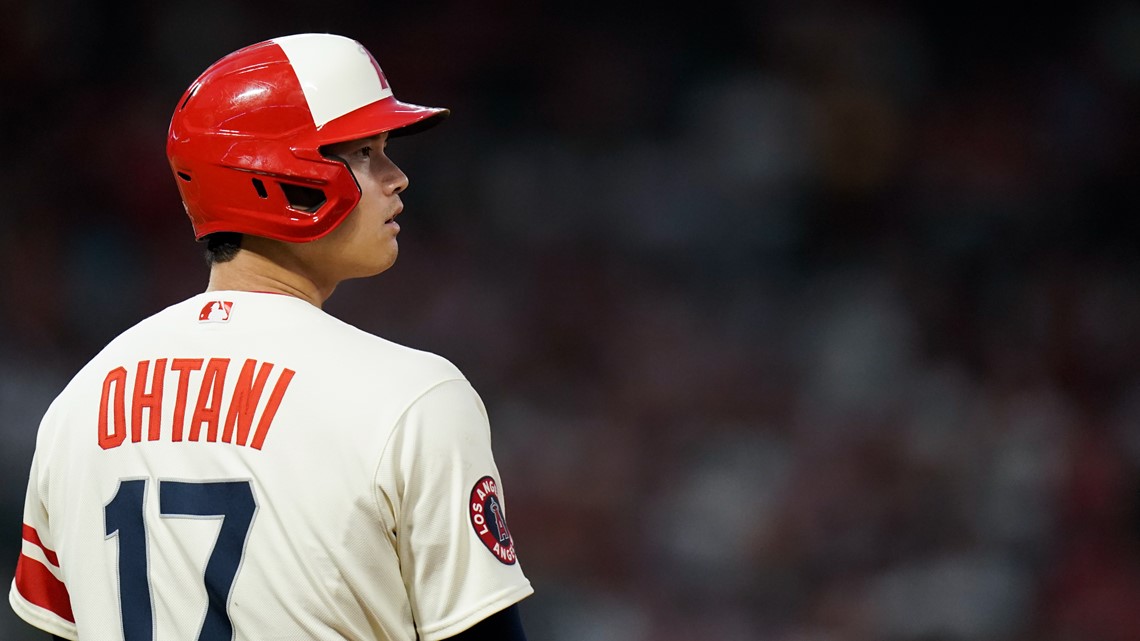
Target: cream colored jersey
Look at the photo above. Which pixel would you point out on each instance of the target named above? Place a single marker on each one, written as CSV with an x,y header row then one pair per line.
x,y
244,466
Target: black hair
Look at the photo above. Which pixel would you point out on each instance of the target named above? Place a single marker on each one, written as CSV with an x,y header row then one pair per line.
x,y
222,246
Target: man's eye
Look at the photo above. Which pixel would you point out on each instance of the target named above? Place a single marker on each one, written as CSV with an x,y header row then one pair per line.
x,y
365,152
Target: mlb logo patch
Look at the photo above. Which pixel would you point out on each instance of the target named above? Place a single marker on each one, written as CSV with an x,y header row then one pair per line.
x,y
216,311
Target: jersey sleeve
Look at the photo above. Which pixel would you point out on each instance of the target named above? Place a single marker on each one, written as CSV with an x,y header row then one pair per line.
x,y
38,594
439,479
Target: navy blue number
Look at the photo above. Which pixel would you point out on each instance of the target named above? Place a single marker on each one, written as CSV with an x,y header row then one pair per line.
x,y
123,518
230,501
233,503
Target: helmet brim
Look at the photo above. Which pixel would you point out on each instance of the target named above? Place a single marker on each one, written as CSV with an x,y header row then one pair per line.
x,y
388,115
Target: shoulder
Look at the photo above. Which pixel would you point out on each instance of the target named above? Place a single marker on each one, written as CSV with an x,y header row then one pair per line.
x,y
312,338
372,352
333,356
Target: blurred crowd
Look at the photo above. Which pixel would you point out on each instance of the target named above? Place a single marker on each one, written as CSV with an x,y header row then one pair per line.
x,y
795,321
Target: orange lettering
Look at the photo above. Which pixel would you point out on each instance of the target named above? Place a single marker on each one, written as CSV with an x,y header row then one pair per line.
x,y
151,402
209,405
107,439
183,366
271,408
247,394
148,390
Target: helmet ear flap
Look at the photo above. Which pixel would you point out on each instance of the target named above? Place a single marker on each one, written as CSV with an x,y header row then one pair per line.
x,y
302,198
299,204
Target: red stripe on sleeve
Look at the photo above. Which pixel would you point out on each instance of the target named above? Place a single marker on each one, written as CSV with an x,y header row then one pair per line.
x,y
40,587
31,536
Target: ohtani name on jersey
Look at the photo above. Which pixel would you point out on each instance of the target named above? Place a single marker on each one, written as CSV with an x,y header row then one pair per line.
x,y
219,411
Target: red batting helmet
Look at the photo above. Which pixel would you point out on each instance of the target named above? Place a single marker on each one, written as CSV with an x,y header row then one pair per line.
x,y
244,142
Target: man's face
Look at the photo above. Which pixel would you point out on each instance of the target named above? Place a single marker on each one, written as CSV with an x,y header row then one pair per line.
x,y
364,244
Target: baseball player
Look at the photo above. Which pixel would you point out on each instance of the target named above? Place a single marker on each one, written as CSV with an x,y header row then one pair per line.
x,y
242,465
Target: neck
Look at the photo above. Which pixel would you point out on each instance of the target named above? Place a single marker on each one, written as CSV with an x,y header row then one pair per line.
x,y
254,269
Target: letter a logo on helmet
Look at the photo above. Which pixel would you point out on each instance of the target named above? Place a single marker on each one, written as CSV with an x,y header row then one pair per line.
x,y
245,140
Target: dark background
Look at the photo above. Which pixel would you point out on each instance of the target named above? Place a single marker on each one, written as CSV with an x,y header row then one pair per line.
x,y
795,320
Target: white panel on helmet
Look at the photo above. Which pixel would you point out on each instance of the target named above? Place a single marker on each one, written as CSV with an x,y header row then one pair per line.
x,y
336,74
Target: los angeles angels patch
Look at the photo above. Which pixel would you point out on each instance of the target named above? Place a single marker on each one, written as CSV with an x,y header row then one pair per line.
x,y
489,520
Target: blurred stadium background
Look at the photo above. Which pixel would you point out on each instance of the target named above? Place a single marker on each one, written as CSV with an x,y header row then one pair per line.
x,y
796,321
